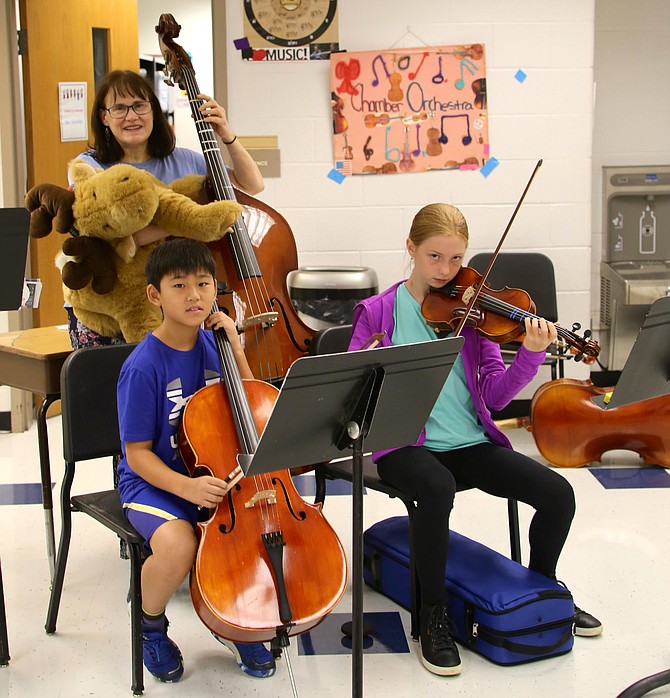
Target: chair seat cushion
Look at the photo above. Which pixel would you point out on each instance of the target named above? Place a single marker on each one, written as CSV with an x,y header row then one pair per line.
x,y
106,508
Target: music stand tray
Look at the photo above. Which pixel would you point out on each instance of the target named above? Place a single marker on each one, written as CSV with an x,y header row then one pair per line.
x,y
329,403
646,373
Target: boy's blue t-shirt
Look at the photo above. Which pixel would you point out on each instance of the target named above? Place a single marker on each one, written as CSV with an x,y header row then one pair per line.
x,y
154,385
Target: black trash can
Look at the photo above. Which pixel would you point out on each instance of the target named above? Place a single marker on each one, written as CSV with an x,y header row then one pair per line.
x,y
325,296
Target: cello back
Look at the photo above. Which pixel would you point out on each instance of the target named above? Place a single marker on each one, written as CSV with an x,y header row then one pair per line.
x,y
570,430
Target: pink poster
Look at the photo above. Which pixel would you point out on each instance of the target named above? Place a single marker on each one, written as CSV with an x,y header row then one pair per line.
x,y
409,110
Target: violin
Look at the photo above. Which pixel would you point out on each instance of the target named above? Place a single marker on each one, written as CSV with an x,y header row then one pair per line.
x,y
268,563
256,256
340,123
497,314
564,406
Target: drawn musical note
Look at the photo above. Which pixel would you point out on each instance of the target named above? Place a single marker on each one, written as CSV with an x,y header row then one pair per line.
x,y
416,72
378,57
392,154
368,152
403,62
467,139
438,79
417,151
466,63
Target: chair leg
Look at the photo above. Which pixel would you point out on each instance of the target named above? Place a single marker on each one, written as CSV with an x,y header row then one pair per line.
x,y
514,535
320,479
137,667
63,549
4,642
414,589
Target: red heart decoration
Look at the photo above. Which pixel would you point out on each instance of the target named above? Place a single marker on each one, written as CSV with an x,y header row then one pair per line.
x,y
259,54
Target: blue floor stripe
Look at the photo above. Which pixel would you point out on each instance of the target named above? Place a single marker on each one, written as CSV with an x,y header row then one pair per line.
x,y
306,486
21,493
652,476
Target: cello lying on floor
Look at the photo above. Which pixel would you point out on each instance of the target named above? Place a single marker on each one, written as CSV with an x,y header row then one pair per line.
x,y
570,430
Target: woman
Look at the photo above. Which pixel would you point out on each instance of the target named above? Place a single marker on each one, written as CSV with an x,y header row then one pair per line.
x,y
461,443
129,126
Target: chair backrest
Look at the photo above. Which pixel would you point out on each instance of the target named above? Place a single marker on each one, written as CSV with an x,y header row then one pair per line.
x,y
88,401
531,271
331,340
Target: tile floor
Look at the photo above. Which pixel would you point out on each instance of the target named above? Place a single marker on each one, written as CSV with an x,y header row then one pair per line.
x,y
617,563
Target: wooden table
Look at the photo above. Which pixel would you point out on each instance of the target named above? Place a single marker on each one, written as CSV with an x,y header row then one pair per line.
x,y
32,360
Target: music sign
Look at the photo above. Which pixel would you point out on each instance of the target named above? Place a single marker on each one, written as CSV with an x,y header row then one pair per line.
x,y
409,110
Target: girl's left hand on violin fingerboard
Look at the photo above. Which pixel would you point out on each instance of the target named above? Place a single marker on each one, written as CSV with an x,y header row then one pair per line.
x,y
539,334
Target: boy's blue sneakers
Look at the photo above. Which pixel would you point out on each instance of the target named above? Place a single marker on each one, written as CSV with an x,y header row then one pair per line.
x,y
161,655
253,658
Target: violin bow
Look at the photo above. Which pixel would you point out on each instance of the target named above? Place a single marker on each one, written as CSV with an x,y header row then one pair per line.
x,y
471,295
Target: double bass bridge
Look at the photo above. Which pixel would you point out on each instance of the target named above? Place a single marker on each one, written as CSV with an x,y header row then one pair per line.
x,y
265,320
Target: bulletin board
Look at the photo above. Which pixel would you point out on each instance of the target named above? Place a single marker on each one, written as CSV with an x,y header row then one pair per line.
x,y
409,110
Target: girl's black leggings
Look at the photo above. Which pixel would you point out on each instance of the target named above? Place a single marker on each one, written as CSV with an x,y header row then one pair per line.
x,y
431,477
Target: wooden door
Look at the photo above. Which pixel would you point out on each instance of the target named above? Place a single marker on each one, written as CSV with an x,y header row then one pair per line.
x,y
59,40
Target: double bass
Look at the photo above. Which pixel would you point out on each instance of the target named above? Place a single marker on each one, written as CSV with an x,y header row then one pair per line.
x,y
256,256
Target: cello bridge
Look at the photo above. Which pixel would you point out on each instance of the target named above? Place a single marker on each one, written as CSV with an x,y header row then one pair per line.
x,y
265,320
269,495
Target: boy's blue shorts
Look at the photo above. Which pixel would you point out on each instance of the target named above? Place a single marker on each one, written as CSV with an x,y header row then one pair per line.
x,y
151,507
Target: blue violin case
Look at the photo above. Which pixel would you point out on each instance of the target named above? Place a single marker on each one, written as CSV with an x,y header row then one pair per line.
x,y
498,608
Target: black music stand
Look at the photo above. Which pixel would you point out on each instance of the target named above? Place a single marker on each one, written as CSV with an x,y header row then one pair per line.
x,y
356,400
645,375
14,224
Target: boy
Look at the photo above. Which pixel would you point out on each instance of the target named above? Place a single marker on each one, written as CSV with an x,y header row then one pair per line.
x,y
158,496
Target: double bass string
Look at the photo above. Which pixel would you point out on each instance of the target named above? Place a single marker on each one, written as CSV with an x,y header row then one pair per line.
x,y
250,273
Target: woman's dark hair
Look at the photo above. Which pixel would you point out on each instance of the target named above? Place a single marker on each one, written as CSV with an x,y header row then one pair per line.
x,y
178,255
126,83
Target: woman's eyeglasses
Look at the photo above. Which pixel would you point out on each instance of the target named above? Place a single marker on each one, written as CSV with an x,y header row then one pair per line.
x,y
120,111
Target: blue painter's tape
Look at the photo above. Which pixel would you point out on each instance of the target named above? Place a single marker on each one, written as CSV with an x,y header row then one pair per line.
x,y
520,75
489,166
336,176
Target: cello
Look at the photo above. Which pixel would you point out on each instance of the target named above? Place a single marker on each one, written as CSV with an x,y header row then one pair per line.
x,y
268,564
565,406
256,256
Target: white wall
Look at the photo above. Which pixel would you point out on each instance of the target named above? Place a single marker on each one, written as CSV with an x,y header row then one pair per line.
x,y
632,110
365,220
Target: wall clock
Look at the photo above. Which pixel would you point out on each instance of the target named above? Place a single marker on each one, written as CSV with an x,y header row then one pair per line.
x,y
291,22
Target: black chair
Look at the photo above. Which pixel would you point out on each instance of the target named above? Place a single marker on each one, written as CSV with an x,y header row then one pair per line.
x,y
4,642
90,430
534,273
336,339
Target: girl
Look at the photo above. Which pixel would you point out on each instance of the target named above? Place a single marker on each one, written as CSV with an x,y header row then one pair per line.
x,y
461,443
